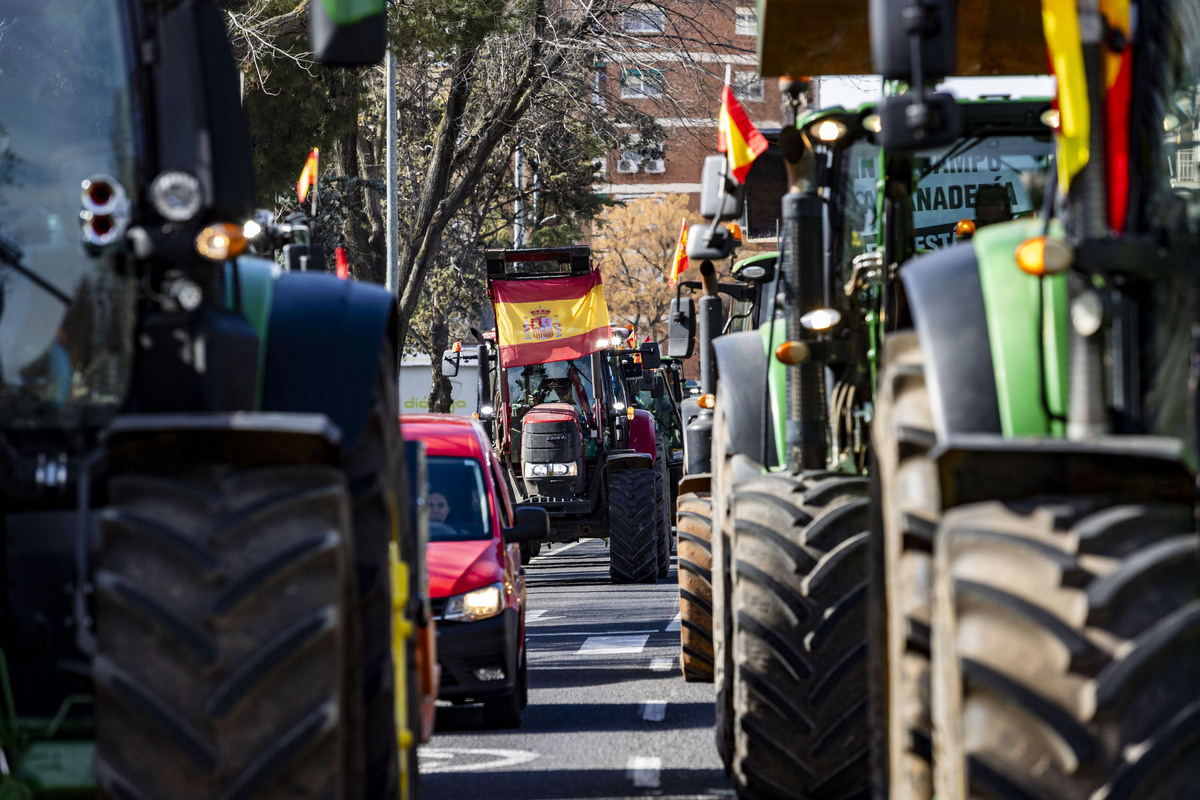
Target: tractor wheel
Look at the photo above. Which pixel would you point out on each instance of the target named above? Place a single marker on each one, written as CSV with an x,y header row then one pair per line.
x,y
722,618
225,623
694,552
374,466
800,650
1067,650
662,510
632,526
902,436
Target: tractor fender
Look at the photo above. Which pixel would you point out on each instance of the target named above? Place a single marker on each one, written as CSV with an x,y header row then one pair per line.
x,y
626,459
641,432
741,371
323,344
945,294
698,483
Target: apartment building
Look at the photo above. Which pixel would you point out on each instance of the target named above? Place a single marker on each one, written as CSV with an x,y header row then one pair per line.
x,y
670,59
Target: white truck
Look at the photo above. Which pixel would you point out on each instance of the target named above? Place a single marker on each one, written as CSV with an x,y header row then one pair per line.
x,y
416,379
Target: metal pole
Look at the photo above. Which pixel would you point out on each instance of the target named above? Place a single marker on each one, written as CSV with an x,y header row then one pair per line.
x,y
518,206
393,206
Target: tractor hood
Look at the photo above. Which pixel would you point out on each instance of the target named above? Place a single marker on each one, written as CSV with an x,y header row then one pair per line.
x,y
801,37
552,412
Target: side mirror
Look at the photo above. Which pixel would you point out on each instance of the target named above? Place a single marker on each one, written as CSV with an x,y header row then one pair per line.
x,y
681,328
651,356
450,362
532,524
895,24
710,242
631,365
721,197
348,32
914,121
659,389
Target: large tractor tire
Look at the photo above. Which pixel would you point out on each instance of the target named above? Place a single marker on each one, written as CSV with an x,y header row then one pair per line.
x,y
902,436
225,628
662,509
801,711
632,526
374,466
1067,650
694,555
722,604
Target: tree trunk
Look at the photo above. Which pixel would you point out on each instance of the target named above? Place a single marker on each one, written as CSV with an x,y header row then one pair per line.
x,y
439,393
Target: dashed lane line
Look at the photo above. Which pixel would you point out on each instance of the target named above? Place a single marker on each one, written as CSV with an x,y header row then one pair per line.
x,y
662,664
675,624
585,633
612,645
557,550
644,771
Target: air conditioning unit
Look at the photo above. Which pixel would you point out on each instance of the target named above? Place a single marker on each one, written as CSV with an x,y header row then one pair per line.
x,y
627,165
654,166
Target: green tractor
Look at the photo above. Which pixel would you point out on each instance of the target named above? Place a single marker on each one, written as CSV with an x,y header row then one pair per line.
x,y
791,477
1036,442
203,471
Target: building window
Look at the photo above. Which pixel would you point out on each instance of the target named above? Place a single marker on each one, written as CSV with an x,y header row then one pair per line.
x,y
745,21
634,159
637,83
1187,165
599,78
747,86
643,18
600,166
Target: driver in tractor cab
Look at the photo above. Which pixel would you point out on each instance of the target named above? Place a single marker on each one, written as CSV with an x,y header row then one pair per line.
x,y
992,205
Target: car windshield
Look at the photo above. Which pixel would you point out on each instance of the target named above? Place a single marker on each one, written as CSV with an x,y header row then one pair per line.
x,y
458,507
568,381
66,115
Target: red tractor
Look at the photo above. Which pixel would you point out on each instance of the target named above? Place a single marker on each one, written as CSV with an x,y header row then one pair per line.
x,y
554,399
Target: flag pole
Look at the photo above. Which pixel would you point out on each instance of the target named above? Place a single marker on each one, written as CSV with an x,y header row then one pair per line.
x,y
316,184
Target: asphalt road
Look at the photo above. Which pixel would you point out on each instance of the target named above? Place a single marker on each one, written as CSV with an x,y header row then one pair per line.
x,y
609,713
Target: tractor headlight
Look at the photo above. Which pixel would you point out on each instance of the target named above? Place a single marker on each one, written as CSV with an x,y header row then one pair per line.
x,y
544,470
221,241
176,195
476,604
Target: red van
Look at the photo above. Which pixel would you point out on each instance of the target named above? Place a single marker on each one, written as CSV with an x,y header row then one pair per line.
x,y
476,582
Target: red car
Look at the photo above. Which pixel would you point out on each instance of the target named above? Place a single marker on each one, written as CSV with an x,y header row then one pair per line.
x,y
476,582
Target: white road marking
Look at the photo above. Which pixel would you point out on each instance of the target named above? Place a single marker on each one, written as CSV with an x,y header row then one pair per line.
x,y
644,771
654,710
535,614
443,759
558,549
662,664
585,633
610,645
675,624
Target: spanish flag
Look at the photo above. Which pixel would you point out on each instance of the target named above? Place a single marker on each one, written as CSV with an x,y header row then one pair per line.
x,y
308,176
680,262
738,139
550,319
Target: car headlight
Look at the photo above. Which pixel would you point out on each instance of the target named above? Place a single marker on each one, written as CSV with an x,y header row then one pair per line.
x,y
476,604
557,470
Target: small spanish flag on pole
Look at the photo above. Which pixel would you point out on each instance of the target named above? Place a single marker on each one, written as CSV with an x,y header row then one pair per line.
x,y
308,177
680,262
738,139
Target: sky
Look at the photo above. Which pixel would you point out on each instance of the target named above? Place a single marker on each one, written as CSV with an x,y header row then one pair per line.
x,y
852,90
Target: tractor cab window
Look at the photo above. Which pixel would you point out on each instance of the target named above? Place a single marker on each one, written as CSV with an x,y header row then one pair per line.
x,y
67,165
986,177
858,199
458,509
568,381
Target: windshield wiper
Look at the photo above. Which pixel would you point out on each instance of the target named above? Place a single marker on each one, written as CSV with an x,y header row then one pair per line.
x,y
11,254
963,145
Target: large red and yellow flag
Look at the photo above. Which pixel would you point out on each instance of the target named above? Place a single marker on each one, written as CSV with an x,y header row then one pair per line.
x,y
680,262
738,139
550,319
308,176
